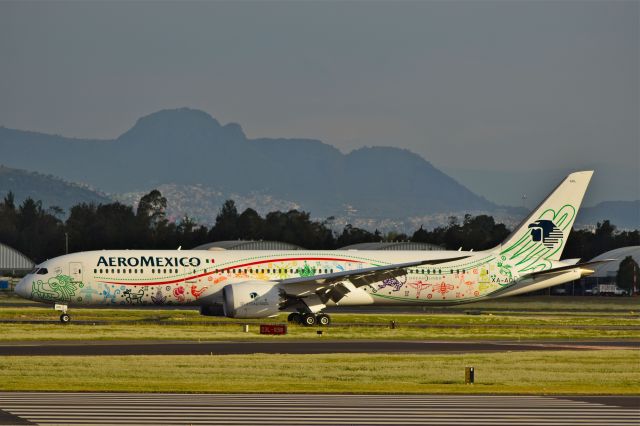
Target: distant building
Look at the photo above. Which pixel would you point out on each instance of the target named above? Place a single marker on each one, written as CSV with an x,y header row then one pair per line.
x,y
610,269
603,280
12,262
393,245
248,245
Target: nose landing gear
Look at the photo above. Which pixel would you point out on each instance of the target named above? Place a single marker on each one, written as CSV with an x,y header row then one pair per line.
x,y
309,319
65,318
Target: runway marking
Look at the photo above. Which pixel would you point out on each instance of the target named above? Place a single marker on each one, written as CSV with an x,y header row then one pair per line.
x,y
286,409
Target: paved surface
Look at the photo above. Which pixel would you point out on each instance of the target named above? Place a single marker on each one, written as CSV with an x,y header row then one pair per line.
x,y
169,323
319,346
165,409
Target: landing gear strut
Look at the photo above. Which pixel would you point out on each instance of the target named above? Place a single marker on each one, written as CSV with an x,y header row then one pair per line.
x,y
308,319
65,318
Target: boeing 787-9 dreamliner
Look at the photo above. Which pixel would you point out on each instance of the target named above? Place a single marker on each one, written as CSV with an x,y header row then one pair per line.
x,y
258,284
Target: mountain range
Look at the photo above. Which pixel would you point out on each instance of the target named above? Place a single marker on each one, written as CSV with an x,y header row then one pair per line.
x,y
192,156
188,147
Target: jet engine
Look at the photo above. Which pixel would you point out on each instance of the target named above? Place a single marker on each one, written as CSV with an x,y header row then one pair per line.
x,y
252,299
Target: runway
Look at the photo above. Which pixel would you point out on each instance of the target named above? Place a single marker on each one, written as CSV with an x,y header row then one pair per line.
x,y
288,409
162,347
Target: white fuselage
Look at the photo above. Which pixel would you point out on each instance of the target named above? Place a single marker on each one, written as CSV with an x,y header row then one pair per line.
x,y
194,277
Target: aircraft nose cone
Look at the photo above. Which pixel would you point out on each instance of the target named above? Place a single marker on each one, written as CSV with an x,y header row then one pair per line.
x,y
21,288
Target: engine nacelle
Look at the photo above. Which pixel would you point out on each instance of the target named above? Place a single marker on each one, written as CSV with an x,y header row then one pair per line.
x,y
251,299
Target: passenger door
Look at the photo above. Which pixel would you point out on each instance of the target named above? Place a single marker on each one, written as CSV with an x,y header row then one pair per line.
x,y
75,271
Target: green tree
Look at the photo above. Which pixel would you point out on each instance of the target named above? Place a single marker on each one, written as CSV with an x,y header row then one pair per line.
x,y
152,209
226,227
628,275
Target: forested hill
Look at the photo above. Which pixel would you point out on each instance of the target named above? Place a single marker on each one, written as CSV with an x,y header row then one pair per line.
x,y
626,214
186,147
50,190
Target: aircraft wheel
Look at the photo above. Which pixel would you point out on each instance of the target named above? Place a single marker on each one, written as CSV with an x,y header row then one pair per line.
x,y
295,318
65,318
323,319
308,320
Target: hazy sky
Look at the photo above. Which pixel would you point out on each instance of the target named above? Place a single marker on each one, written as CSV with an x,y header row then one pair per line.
x,y
474,87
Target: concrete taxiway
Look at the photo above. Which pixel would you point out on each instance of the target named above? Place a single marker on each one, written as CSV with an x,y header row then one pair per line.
x,y
273,409
319,346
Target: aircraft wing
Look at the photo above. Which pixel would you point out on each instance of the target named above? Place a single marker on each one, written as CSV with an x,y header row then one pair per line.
x,y
328,286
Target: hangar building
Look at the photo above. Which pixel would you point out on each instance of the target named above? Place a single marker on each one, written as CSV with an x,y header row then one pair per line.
x,y
12,262
248,245
393,245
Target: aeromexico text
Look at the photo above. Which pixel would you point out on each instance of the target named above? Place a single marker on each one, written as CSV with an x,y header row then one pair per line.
x,y
154,261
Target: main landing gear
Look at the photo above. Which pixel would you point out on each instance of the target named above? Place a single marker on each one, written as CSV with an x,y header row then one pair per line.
x,y
309,320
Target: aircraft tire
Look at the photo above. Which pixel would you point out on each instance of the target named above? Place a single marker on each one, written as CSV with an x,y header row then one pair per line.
x,y
323,319
65,318
308,320
295,317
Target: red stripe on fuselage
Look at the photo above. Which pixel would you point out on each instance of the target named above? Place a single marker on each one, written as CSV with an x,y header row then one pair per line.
x,y
230,267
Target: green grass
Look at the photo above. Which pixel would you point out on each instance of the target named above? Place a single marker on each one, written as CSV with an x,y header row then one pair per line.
x,y
453,317
564,372
189,325
617,321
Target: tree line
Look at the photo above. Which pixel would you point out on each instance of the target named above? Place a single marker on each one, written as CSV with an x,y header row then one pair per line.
x,y
41,233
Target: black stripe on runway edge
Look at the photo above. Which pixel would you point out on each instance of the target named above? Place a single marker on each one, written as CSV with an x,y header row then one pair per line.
x,y
11,419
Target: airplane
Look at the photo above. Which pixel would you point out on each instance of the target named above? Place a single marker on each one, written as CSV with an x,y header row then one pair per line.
x,y
260,283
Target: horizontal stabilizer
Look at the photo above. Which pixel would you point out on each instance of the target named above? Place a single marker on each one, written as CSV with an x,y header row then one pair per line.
x,y
548,278
584,265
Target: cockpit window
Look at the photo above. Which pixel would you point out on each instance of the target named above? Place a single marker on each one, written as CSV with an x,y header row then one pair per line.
x,y
42,271
34,270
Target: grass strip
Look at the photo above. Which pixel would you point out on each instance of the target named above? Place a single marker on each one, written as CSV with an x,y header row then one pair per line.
x,y
539,372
